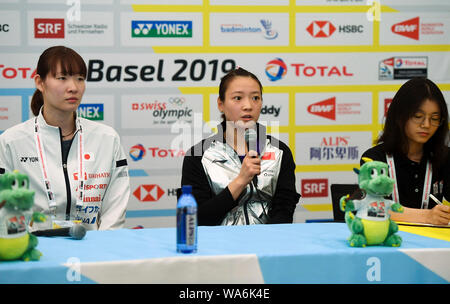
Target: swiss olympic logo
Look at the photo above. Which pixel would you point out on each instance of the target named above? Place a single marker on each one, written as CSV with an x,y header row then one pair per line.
x,y
137,152
276,69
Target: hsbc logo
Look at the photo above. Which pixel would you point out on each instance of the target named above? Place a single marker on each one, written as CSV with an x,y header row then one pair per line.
x,y
325,108
48,28
317,187
324,29
148,193
321,29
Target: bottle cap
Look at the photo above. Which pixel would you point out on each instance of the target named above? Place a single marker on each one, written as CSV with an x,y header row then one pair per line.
x,y
186,189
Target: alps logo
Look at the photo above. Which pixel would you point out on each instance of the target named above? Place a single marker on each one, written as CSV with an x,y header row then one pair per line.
x,y
148,193
325,108
48,28
408,28
321,29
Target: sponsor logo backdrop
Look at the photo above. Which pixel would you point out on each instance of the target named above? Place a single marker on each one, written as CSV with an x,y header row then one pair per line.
x,y
329,69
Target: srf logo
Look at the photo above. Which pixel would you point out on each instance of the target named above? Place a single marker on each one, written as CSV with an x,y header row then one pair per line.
x,y
48,28
317,187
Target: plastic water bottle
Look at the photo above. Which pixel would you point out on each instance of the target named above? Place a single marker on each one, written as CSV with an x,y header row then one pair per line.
x,y
186,221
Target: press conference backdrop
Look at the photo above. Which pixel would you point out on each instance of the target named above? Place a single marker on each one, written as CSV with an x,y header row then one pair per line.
x,y
329,69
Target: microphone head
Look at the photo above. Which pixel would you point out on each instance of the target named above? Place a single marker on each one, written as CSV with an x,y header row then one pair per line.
x,y
250,135
251,138
77,232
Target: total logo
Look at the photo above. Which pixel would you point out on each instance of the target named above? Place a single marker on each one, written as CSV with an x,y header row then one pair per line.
x,y
8,72
276,69
148,193
317,187
48,28
324,29
404,67
137,152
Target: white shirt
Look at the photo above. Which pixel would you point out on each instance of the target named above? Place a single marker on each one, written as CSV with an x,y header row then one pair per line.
x,y
107,187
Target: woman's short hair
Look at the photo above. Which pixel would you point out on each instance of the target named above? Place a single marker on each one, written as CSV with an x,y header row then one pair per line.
x,y
70,62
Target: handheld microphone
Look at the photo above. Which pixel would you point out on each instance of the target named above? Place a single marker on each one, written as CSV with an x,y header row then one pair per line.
x,y
251,139
76,231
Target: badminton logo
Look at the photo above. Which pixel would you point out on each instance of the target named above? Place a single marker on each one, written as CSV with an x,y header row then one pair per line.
x,y
276,69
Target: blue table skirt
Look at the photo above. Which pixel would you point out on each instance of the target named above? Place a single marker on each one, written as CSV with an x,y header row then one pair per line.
x,y
291,253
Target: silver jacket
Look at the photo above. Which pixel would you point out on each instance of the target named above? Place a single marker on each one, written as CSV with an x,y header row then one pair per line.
x,y
222,164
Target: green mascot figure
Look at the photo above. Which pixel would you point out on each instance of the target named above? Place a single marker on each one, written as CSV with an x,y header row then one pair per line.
x,y
16,202
371,225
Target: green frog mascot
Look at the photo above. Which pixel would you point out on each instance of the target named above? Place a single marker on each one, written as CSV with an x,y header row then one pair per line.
x,y
16,202
371,225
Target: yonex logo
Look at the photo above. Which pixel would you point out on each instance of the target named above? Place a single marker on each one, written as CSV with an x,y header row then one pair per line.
x,y
161,29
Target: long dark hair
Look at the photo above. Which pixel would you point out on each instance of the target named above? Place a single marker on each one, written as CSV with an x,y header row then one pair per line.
x,y
71,64
405,104
225,81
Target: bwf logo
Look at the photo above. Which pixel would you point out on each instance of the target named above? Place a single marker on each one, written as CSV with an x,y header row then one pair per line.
x,y
325,108
408,28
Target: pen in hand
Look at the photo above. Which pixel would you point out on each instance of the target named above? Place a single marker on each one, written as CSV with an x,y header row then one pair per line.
x,y
435,199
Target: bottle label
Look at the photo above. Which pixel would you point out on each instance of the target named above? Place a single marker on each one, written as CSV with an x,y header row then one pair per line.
x,y
191,223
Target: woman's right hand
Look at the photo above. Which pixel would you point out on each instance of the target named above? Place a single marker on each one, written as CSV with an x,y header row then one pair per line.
x,y
251,166
439,215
